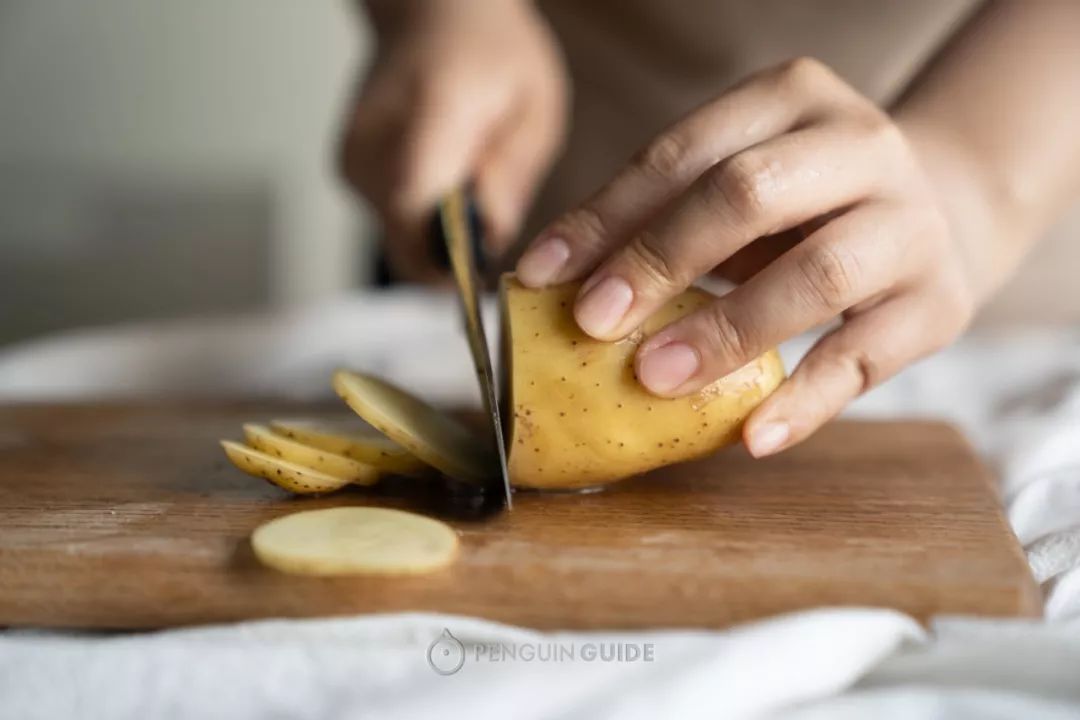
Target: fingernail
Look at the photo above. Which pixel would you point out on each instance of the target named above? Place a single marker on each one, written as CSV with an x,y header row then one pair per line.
x,y
602,308
541,264
769,438
667,367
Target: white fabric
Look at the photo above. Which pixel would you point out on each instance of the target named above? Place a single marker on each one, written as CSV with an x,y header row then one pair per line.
x,y
1017,396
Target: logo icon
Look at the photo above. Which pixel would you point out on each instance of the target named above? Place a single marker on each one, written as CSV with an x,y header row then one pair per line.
x,y
446,654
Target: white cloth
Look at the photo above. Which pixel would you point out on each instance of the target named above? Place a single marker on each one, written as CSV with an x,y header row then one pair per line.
x,y
1017,396
377,667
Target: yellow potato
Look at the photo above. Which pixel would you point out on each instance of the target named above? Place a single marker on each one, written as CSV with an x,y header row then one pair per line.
x,y
578,416
338,466
355,540
429,434
366,447
286,475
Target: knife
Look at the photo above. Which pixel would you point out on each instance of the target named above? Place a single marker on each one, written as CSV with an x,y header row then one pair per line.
x,y
458,221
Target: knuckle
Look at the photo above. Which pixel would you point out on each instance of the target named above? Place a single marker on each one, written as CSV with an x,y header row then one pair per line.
x,y
724,337
741,184
647,253
879,129
857,366
830,275
584,226
865,369
667,158
803,72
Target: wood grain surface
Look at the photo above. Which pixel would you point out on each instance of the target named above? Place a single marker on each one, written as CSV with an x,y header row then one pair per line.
x,y
128,516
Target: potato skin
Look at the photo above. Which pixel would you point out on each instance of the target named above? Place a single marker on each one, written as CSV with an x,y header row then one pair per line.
x,y
370,448
577,415
263,439
286,475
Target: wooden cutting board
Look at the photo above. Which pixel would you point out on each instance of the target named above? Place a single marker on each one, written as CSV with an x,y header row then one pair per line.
x,y
127,516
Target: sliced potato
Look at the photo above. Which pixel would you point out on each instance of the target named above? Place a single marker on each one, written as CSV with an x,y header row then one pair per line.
x,y
355,540
339,466
366,447
578,415
429,434
289,476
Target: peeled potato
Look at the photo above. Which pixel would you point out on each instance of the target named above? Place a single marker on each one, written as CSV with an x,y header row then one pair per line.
x,y
355,540
289,476
369,448
429,434
338,466
578,416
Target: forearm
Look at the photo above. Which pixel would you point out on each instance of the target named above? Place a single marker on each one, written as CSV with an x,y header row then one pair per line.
x,y
996,121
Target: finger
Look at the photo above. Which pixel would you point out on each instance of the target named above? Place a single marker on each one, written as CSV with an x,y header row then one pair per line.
x,y
761,191
847,362
405,151
855,257
748,261
763,106
371,161
441,144
513,165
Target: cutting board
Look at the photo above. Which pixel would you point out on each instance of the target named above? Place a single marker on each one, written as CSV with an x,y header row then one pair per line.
x,y
127,516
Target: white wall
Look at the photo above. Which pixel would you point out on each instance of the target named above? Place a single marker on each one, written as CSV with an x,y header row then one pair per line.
x,y
193,91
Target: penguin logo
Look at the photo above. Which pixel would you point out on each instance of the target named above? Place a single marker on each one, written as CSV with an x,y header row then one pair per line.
x,y
446,654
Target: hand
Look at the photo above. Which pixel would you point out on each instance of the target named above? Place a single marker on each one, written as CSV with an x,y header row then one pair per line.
x,y
809,194
459,91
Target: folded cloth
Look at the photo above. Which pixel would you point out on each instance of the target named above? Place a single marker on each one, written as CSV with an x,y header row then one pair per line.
x,y
832,663
378,667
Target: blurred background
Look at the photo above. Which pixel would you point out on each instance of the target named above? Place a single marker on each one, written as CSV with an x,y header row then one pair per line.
x,y
175,160
163,160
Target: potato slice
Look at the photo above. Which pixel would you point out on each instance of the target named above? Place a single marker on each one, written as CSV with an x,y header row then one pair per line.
x,y
289,476
429,434
339,466
579,417
355,540
370,448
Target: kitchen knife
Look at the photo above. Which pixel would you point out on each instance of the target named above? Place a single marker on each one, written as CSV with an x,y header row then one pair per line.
x,y
461,231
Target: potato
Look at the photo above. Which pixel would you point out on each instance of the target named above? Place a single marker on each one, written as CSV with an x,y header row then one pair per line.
x,y
578,416
369,447
286,475
355,540
429,434
338,466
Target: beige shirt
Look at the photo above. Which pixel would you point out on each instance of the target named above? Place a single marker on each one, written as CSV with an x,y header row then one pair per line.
x,y
638,65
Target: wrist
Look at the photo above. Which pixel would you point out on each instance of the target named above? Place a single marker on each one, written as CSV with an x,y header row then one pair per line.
x,y
986,222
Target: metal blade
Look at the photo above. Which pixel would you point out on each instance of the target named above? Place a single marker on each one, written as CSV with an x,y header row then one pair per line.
x,y
463,246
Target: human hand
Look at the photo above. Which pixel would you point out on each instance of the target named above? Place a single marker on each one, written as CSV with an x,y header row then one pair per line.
x,y
459,91
813,198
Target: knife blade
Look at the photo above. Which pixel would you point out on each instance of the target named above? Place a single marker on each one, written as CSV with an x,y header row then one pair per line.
x,y
462,235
